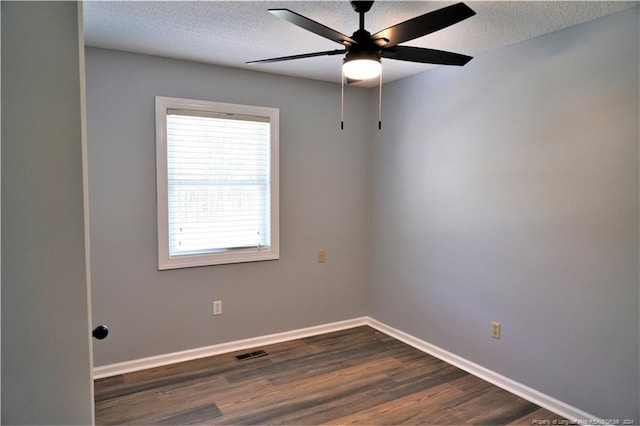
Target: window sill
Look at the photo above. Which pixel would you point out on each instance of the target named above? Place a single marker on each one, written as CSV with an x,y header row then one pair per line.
x,y
218,258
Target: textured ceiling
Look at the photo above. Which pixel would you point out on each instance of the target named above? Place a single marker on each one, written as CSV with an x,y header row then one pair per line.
x,y
231,33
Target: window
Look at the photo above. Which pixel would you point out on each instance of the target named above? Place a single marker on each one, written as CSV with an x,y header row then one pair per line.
x,y
217,183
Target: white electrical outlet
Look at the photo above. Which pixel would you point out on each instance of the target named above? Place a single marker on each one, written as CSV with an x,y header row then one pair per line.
x,y
217,307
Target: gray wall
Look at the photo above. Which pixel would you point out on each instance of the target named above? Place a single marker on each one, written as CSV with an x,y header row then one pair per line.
x,y
46,363
507,191
323,204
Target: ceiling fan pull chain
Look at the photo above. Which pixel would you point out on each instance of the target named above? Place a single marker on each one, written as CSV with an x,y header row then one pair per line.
x,y
342,102
380,103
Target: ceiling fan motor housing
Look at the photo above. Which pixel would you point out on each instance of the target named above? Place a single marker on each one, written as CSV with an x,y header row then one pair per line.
x,y
361,54
365,48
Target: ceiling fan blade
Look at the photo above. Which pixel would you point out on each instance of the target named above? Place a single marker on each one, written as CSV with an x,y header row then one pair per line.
x,y
313,26
301,56
425,24
425,56
352,80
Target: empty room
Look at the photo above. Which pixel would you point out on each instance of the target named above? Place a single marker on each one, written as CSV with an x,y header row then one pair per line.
x,y
213,213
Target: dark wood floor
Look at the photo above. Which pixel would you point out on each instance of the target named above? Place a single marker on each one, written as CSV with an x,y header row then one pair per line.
x,y
355,376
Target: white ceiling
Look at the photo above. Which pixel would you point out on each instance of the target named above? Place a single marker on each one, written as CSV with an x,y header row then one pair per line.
x,y
230,33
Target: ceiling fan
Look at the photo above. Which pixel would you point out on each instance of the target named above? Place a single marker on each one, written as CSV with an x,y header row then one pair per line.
x,y
364,50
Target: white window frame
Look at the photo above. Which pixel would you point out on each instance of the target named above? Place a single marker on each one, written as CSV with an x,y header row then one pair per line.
x,y
253,254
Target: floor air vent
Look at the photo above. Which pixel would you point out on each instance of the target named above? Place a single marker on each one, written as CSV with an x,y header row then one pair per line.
x,y
251,355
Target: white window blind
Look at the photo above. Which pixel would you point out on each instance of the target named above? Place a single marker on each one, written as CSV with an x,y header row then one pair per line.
x,y
218,186
218,183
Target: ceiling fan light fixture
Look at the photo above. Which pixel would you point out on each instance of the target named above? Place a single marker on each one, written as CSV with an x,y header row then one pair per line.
x,y
362,69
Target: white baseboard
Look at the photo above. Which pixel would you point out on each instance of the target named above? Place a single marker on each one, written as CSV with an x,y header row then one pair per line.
x,y
532,395
222,348
490,376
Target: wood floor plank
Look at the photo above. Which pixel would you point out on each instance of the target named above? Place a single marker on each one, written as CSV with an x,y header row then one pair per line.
x,y
471,384
492,405
202,414
354,376
323,412
405,410
278,411
428,380
506,413
151,405
539,416
306,392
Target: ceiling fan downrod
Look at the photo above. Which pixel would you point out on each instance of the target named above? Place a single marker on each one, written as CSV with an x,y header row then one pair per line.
x,y
361,7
